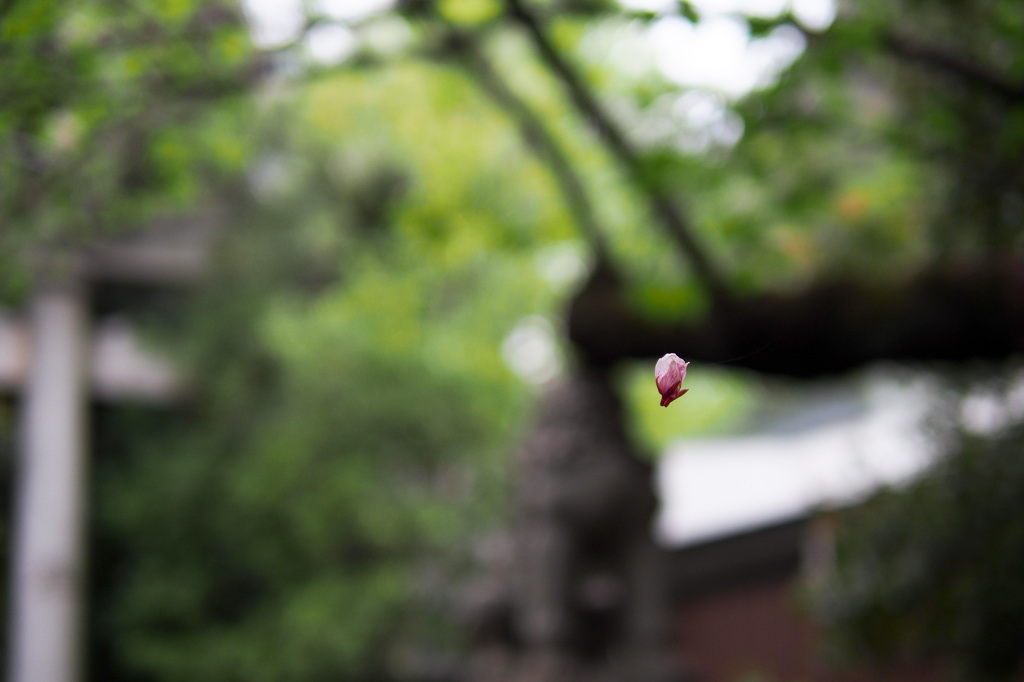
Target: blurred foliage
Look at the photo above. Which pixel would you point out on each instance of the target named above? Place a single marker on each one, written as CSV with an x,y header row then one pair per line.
x,y
107,116
388,223
718,402
933,570
288,524
350,403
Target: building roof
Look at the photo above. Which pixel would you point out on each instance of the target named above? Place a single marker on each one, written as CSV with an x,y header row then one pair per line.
x,y
832,448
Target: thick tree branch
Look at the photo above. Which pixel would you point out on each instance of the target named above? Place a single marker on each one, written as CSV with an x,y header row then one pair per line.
x,y
946,62
537,137
671,218
973,312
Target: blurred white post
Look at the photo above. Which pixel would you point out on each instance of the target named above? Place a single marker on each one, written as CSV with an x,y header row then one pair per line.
x,y
44,631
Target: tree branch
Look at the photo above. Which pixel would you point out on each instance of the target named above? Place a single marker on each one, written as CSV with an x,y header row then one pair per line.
x,y
537,137
672,219
973,312
954,65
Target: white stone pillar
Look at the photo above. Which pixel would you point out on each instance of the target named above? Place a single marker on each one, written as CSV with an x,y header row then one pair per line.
x,y
46,590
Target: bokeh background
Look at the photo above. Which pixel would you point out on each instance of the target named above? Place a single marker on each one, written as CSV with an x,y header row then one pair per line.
x,y
324,253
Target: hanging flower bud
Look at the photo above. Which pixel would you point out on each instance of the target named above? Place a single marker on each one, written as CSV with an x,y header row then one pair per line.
x,y
669,374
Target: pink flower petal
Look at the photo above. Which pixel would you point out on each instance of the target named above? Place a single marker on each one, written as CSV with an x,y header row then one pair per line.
x,y
669,373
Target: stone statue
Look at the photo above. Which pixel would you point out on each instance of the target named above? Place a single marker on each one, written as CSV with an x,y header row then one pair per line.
x,y
578,594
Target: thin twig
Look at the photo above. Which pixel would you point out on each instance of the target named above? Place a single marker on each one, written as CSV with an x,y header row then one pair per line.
x,y
672,219
537,137
945,61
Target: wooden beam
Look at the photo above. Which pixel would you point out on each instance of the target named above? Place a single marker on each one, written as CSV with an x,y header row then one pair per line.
x,y
48,552
173,251
119,367
53,363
